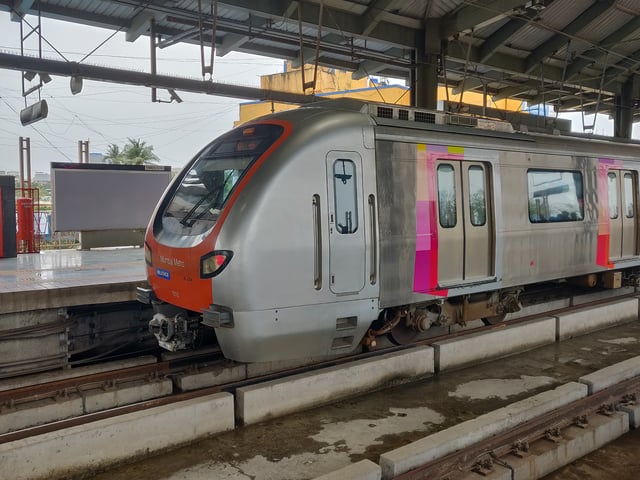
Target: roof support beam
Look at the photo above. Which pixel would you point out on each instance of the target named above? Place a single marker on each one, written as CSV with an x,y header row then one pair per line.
x,y
305,53
178,38
139,25
516,90
500,36
290,10
600,51
338,21
468,84
515,65
233,41
230,42
373,15
552,45
367,68
477,14
128,77
19,9
587,104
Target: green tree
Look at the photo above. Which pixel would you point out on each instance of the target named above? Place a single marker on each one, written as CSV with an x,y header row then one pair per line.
x,y
135,152
114,155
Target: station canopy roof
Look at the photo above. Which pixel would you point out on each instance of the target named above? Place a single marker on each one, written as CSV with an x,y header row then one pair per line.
x,y
574,54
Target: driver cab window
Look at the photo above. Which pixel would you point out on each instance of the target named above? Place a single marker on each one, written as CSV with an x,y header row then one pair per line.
x,y
344,187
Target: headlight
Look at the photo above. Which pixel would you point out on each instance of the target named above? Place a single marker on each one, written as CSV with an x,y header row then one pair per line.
x,y
213,263
147,254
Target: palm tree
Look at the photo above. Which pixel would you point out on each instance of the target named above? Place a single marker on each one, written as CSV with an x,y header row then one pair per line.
x,y
114,155
135,152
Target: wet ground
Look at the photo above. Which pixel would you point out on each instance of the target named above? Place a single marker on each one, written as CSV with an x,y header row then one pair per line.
x,y
315,442
619,460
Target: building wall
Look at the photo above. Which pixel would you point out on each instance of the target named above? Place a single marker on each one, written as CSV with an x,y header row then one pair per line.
x,y
396,94
328,80
333,83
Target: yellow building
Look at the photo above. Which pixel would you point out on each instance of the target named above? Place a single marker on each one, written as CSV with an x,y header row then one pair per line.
x,y
332,83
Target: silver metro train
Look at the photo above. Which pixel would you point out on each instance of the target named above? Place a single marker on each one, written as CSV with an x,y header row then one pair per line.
x,y
309,232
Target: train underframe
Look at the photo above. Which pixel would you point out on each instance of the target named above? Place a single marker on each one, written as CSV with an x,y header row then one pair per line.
x,y
176,329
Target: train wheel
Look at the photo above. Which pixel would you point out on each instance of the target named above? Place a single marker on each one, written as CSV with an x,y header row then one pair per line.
x,y
403,335
493,320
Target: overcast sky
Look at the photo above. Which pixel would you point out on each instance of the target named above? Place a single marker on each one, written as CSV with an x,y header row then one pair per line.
x,y
107,113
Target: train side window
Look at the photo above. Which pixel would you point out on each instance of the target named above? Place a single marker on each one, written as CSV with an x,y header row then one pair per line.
x,y
613,195
477,198
629,207
345,191
447,196
555,196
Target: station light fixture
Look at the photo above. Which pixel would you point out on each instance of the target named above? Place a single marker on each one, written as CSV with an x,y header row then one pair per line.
x,y
29,75
34,112
75,84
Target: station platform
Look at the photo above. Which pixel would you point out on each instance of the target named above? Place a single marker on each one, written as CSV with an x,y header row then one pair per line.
x,y
64,278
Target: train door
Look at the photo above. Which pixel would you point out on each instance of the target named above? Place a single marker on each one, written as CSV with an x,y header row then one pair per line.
x,y
346,222
622,214
465,224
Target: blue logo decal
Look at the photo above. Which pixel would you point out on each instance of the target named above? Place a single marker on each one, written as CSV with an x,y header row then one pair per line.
x,y
163,273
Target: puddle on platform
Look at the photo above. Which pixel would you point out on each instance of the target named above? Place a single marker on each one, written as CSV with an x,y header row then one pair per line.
x,y
499,388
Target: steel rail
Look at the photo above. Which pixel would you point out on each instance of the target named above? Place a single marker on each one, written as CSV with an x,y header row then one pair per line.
x,y
48,389
462,461
168,367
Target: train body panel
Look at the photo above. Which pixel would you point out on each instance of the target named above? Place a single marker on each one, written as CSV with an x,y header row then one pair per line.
x,y
330,218
304,331
546,250
272,224
420,259
275,287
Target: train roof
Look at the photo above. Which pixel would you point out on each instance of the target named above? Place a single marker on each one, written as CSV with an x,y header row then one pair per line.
x,y
400,117
411,117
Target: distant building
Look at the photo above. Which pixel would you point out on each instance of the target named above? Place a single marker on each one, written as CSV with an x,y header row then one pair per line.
x,y
95,157
333,83
42,177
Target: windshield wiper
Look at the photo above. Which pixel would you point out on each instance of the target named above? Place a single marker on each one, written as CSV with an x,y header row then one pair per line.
x,y
189,219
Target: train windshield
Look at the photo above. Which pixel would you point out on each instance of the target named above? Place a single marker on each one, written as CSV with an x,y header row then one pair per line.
x,y
205,187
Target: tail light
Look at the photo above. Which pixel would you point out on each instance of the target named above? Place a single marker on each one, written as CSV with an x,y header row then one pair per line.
x,y
213,263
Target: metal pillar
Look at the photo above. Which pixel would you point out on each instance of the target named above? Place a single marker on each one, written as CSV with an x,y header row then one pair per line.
x,y
623,117
25,163
83,151
426,66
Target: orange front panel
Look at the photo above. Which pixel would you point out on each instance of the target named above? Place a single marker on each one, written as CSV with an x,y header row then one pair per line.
x,y
175,276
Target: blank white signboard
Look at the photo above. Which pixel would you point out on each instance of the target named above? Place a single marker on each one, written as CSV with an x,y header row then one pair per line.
x,y
105,197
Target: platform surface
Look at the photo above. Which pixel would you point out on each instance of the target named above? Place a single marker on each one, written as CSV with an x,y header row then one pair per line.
x,y
59,278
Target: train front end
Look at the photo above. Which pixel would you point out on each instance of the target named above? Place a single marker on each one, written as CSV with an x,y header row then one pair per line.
x,y
181,252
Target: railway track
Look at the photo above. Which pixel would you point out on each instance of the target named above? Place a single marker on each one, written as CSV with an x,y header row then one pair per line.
x,y
64,388
179,365
171,369
504,448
